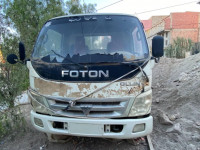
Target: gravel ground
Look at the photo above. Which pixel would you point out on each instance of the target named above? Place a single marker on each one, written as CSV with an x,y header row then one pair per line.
x,y
176,104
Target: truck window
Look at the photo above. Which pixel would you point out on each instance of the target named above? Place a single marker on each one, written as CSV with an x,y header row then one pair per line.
x,y
50,41
54,40
101,35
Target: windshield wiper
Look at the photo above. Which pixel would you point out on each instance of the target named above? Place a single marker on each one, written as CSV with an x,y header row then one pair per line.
x,y
135,63
69,59
132,63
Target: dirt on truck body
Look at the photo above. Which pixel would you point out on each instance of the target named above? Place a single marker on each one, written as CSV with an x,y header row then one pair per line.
x,y
91,75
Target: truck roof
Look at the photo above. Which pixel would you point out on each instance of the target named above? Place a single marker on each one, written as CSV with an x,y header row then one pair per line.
x,y
95,14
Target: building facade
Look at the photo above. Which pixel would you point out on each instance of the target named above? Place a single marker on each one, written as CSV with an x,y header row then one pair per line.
x,y
180,24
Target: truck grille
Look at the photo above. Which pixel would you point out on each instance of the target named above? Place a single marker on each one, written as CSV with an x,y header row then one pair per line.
x,y
101,107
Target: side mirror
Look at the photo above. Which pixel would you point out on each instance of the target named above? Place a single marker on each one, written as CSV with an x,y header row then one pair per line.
x,y
22,54
12,59
157,46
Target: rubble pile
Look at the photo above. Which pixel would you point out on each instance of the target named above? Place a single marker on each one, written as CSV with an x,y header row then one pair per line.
x,y
176,104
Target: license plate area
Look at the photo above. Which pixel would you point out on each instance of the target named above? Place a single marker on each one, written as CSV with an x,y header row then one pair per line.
x,y
85,128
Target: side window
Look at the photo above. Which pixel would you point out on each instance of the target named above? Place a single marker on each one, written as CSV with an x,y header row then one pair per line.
x,y
48,42
137,42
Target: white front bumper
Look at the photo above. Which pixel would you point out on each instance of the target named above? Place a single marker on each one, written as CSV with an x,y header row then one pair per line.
x,y
93,127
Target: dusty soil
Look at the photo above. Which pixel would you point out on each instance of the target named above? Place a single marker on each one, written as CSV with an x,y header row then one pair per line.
x,y
176,111
176,104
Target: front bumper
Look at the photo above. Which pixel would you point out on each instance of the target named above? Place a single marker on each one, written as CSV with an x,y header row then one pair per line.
x,y
92,127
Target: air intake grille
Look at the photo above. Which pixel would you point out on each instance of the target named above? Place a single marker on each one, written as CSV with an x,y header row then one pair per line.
x,y
107,107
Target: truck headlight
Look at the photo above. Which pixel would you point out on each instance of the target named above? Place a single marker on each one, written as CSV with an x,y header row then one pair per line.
x,y
142,104
39,103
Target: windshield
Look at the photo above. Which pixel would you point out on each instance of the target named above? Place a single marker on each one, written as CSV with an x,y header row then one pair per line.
x,y
91,39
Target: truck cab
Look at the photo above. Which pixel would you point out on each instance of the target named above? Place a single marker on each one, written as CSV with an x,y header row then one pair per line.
x,y
91,75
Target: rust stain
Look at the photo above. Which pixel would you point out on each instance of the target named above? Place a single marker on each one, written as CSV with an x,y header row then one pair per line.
x,y
82,86
130,91
48,87
113,91
147,83
64,90
100,96
134,89
75,94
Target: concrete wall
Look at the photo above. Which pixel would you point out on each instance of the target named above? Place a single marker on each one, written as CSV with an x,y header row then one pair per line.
x,y
155,30
157,19
153,21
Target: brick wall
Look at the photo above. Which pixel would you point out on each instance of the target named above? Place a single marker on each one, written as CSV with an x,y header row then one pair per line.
x,y
167,23
199,29
184,24
147,24
185,20
185,33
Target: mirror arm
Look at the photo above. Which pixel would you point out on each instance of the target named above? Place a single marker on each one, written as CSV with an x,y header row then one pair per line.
x,y
156,59
20,62
25,61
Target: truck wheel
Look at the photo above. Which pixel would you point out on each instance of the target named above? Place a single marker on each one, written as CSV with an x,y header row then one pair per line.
x,y
58,138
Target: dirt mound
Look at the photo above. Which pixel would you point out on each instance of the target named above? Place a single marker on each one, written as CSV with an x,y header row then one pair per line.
x,y
176,103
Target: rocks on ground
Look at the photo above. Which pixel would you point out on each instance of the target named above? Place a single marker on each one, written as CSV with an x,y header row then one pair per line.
x,y
176,103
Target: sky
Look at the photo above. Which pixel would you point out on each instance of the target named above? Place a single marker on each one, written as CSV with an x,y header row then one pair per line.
x,y
135,7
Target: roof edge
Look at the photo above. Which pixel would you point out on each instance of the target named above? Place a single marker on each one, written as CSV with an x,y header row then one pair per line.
x,y
97,14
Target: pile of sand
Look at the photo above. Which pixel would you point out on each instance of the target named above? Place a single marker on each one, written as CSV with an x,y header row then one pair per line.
x,y
176,104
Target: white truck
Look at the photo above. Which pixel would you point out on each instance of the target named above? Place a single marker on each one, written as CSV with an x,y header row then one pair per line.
x,y
90,75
